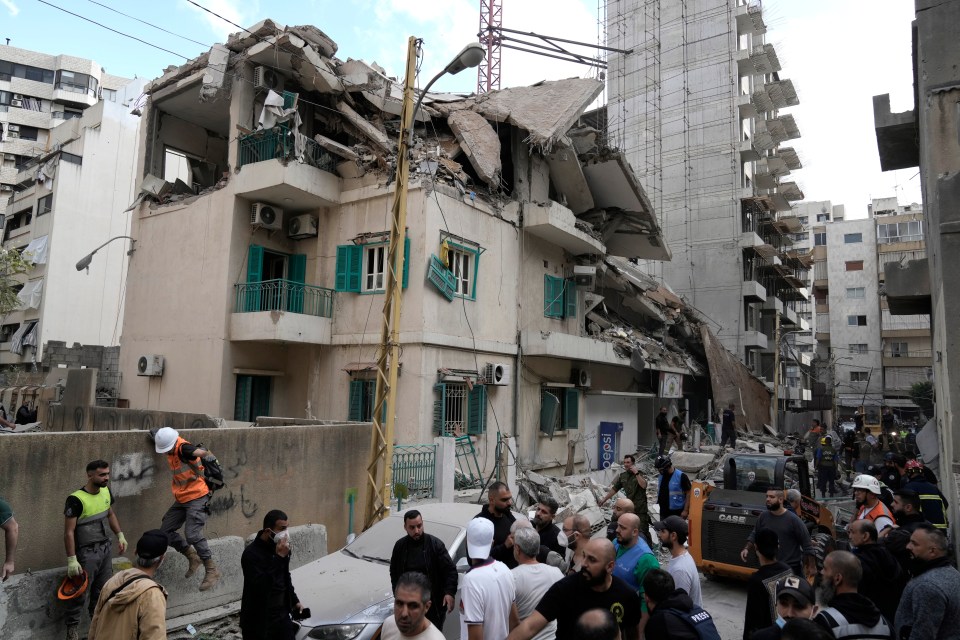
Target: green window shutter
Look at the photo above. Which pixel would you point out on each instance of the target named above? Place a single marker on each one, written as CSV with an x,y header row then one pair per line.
x,y
241,404
297,276
261,396
406,262
254,275
355,404
476,275
439,405
549,412
349,267
477,410
552,297
570,298
571,408
440,277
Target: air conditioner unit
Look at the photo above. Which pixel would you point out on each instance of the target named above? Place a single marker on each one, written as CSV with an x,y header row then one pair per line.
x,y
150,365
497,374
13,127
580,377
18,96
16,102
584,276
265,78
266,215
12,135
304,226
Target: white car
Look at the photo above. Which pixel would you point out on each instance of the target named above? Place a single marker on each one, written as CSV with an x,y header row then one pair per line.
x,y
348,591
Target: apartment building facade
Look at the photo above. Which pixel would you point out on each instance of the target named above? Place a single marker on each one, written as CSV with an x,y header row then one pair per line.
x,y
276,257
67,178
870,356
700,107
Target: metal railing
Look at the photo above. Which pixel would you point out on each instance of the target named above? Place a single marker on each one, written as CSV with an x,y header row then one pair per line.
x,y
283,295
278,144
413,466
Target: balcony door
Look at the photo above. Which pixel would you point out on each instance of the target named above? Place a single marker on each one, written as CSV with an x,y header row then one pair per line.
x,y
276,280
253,398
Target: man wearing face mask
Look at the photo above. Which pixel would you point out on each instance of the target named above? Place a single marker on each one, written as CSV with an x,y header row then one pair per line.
x,y
268,595
576,529
795,600
848,614
673,489
930,606
795,548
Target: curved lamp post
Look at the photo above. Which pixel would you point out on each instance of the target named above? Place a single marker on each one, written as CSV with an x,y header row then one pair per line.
x,y
84,262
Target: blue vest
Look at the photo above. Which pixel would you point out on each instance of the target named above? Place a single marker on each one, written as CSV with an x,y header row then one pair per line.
x,y
626,564
675,489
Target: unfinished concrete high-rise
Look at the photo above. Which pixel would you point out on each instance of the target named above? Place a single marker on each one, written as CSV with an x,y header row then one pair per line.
x,y
696,104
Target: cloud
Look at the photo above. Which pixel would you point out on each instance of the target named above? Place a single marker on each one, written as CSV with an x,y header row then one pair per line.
x,y
236,11
11,7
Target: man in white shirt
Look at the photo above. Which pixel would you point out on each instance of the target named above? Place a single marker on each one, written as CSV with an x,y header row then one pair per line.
x,y
487,590
673,531
532,580
410,605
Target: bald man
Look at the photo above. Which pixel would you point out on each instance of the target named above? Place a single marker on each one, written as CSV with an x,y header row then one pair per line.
x,y
594,587
577,530
620,507
634,558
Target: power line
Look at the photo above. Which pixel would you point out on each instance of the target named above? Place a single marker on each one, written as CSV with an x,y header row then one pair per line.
x,y
126,35
202,44
199,6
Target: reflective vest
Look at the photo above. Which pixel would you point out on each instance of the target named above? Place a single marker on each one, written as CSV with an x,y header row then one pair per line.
x,y
877,511
92,522
842,628
674,488
626,565
188,483
828,457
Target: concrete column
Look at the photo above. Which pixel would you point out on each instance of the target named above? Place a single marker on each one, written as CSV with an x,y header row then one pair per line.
x,y
444,473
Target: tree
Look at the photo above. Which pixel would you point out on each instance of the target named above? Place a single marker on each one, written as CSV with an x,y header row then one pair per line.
x,y
12,265
922,395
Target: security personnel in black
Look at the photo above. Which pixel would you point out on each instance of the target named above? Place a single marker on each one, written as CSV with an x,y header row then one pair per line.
x,y
420,551
88,515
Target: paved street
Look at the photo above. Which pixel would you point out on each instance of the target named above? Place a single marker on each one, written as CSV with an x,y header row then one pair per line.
x,y
725,600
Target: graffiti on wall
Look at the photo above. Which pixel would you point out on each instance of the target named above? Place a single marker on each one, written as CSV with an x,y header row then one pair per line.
x,y
131,473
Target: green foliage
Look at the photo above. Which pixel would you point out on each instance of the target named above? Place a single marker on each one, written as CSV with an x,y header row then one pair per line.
x,y
12,265
922,395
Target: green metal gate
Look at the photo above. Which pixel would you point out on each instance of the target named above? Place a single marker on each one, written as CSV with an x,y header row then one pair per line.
x,y
413,466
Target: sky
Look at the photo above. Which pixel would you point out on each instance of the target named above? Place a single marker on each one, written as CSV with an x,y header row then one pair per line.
x,y
839,54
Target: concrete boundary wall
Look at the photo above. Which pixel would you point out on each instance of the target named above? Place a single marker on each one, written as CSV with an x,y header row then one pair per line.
x,y
304,470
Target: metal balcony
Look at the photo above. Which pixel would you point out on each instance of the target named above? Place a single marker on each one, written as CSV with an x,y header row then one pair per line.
x,y
281,311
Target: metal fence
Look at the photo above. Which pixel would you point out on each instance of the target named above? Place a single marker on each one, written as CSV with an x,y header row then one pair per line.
x,y
278,144
413,466
284,295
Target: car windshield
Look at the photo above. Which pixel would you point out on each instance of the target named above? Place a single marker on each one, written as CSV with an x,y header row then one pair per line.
x,y
377,542
755,474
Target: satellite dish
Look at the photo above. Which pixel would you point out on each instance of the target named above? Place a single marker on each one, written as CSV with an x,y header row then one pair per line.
x,y
268,215
549,413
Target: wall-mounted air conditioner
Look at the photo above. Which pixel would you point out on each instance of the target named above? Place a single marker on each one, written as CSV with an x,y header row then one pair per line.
x,y
584,275
13,127
266,216
18,96
15,102
265,78
581,378
150,365
497,374
304,226
12,135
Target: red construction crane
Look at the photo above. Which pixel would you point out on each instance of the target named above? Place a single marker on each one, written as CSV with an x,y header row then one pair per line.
x,y
491,22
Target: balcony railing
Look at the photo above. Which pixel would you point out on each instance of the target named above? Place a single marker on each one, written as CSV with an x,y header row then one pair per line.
x,y
283,295
278,144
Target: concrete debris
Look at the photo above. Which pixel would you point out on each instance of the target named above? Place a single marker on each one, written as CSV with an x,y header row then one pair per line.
x,y
215,72
372,133
480,143
732,382
336,148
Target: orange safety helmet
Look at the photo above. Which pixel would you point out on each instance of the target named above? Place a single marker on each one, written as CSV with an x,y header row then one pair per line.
x,y
75,587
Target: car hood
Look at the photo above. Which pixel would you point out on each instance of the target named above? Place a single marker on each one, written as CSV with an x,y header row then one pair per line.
x,y
339,588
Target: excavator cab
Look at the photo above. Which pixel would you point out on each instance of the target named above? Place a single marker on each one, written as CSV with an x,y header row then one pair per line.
x,y
721,518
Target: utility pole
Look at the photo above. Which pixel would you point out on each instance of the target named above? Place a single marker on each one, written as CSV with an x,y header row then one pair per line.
x,y
776,374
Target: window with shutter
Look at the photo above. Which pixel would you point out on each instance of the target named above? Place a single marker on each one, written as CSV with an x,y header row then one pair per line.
x,y
440,277
477,410
349,258
363,267
297,277
561,404
571,409
553,304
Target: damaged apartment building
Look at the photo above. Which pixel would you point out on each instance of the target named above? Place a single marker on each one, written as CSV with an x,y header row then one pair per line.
x,y
256,289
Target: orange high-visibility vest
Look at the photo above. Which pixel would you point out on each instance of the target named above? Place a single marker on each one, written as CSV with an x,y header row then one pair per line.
x,y
188,483
878,510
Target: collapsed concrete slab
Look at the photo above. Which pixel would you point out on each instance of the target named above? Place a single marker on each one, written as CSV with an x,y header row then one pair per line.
x,y
691,462
479,142
372,133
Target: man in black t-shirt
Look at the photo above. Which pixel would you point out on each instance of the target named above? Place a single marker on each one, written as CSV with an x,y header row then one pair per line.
x,y
761,612
595,587
497,511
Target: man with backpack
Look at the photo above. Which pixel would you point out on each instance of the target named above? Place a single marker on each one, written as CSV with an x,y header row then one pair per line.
x,y
191,499
672,613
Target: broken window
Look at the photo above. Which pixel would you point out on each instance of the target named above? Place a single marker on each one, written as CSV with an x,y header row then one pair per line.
x,y
559,409
361,268
459,409
196,173
559,298
19,220
7,331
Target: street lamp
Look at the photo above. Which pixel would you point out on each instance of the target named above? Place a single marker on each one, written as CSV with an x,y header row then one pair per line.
x,y
84,262
380,469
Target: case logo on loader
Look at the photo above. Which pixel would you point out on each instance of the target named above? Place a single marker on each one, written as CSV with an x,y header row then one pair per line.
x,y
734,519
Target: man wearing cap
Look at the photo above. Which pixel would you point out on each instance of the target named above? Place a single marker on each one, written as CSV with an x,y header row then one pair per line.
x,y
795,548
189,509
11,531
761,611
933,504
132,604
866,493
673,532
673,489
634,487
487,590
848,614
825,460
594,587
795,599
268,595
88,518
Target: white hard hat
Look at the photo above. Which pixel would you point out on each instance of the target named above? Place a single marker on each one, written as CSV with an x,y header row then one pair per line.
x,y
868,483
165,439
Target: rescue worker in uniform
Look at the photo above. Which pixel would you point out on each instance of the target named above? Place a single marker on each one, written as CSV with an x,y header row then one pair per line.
x,y
673,489
825,460
88,513
866,492
933,504
190,506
